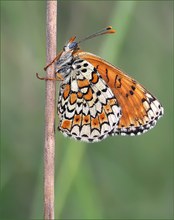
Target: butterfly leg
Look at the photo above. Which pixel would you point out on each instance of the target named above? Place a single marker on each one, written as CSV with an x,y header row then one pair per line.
x,y
56,58
57,78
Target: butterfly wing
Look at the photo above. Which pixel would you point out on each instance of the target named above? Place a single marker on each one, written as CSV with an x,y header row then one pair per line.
x,y
87,107
140,109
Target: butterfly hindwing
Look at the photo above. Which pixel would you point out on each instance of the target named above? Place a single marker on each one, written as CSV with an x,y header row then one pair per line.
x,y
87,107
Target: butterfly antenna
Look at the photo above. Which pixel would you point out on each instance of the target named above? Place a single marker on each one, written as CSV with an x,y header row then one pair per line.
x,y
107,30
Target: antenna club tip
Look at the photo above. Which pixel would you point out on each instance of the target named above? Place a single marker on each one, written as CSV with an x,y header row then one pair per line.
x,y
109,27
110,30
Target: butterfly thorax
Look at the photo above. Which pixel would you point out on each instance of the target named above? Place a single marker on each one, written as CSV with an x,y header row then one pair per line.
x,y
64,65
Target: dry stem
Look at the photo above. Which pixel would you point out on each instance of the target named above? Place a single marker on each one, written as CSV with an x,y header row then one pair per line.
x,y
49,148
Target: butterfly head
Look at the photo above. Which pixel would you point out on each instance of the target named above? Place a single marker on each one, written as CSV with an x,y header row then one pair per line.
x,y
71,46
64,63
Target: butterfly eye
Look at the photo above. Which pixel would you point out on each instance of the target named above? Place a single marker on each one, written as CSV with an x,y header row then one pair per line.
x,y
73,45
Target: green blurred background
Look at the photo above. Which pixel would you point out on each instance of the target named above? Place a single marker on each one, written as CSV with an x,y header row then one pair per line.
x,y
118,178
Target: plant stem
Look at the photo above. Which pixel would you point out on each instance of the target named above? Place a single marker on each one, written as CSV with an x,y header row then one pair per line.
x,y
50,96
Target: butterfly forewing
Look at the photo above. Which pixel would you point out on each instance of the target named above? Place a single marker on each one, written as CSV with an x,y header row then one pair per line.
x,y
140,110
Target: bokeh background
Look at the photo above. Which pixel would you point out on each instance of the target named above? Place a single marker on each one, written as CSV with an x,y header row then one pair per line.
x,y
118,178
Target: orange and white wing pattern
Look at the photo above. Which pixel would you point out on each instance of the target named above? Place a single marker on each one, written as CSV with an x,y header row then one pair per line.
x,y
140,110
87,107
96,99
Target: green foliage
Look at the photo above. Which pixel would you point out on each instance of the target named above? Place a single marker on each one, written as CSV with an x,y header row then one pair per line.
x,y
120,177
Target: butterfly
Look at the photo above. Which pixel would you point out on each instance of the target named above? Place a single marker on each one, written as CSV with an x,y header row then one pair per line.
x,y
96,99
